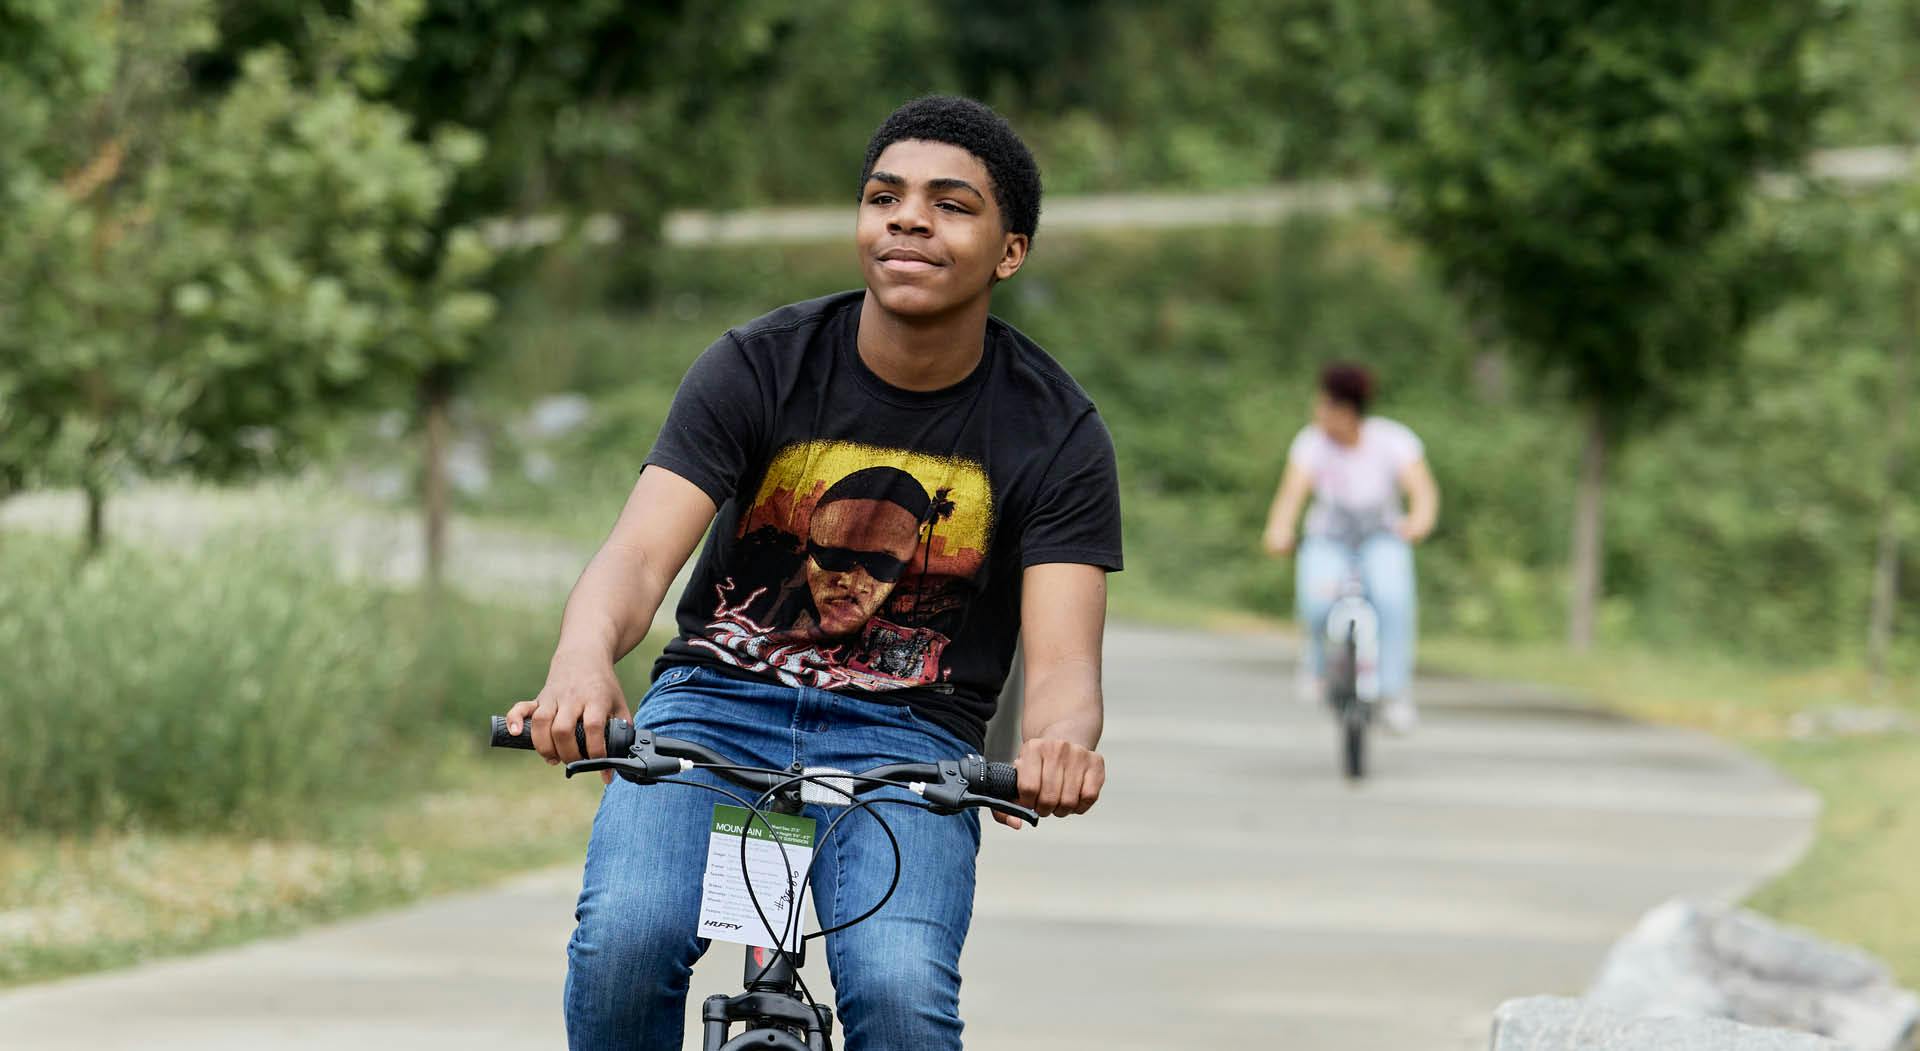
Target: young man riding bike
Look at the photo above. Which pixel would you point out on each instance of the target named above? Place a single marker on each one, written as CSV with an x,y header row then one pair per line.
x,y
1356,466
900,487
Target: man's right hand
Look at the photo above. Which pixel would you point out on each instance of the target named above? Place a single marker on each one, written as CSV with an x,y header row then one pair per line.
x,y
579,690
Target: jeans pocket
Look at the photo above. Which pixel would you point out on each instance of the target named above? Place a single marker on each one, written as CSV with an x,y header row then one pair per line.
x,y
667,683
677,675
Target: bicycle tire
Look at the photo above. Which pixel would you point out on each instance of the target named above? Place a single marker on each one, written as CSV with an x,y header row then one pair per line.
x,y
1353,716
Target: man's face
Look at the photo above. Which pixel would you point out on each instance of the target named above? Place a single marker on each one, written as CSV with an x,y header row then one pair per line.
x,y
1338,419
856,551
930,234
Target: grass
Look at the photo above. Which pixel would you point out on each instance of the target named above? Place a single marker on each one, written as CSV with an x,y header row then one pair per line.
x,y
211,745
1860,883
76,903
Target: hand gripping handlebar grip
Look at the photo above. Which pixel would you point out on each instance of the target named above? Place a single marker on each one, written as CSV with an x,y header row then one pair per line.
x,y
999,780
619,736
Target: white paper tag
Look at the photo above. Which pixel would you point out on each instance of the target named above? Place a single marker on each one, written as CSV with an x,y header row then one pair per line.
x,y
726,912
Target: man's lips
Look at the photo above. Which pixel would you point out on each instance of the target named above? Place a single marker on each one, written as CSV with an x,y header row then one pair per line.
x,y
906,260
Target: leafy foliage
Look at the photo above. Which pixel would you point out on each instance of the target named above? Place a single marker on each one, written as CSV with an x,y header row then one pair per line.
x,y
1581,173
202,283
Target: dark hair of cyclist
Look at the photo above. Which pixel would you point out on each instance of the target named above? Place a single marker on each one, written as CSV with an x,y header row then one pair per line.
x,y
976,128
1348,384
890,484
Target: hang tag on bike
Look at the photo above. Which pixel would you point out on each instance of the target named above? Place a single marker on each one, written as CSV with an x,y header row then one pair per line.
x,y
726,910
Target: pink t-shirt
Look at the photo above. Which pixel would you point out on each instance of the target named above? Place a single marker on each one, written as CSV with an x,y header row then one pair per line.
x,y
1360,480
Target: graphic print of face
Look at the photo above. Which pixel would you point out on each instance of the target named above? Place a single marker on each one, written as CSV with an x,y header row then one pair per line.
x,y
862,536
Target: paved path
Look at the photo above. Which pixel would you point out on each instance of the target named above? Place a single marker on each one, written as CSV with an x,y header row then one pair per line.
x,y
1229,884
492,562
1267,205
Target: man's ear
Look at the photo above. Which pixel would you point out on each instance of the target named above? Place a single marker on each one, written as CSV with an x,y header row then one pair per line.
x,y
1012,257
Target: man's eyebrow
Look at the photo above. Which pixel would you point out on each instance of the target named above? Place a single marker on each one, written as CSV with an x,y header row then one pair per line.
x,y
936,185
955,184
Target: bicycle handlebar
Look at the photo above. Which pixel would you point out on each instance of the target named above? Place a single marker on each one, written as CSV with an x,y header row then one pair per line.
x,y
619,736
951,785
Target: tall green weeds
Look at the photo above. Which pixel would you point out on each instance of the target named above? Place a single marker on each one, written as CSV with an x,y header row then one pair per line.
x,y
243,690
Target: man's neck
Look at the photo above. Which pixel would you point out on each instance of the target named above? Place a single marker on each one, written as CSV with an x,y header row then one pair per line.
x,y
922,354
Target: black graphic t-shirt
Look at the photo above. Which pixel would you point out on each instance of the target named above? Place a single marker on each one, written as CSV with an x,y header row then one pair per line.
x,y
871,540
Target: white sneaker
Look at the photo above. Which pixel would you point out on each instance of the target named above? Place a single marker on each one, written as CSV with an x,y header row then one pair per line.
x,y
1399,714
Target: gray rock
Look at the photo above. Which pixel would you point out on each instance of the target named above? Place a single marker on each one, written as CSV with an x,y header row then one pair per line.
x,y
467,467
391,425
558,414
538,467
383,484
1685,959
1850,722
1553,1023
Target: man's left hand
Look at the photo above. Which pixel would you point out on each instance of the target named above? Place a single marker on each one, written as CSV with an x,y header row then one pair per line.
x,y
1057,778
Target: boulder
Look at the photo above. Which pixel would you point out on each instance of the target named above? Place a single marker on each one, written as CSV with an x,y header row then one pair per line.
x,y
1688,959
1553,1023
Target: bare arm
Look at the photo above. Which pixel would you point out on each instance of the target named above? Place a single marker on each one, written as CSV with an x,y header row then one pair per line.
x,y
609,611
1295,484
1063,611
1423,500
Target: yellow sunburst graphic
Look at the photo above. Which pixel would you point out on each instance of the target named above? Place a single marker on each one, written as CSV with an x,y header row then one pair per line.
x,y
800,473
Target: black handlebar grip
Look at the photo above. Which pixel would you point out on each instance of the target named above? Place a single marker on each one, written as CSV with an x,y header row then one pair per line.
x,y
503,739
619,736
998,780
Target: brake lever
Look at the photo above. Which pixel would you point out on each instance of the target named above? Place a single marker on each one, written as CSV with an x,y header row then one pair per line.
x,y
1001,806
955,803
949,795
641,770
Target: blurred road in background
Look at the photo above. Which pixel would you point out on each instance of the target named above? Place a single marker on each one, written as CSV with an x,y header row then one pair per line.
x,y
1228,884
362,540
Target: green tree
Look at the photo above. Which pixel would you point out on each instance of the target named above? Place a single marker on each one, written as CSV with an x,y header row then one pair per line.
x,y
1895,246
1885,35
1582,173
200,283
596,105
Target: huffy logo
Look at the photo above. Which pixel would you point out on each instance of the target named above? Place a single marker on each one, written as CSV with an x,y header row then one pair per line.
x,y
724,926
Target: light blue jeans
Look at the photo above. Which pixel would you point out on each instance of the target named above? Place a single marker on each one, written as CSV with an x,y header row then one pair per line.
x,y
897,974
1385,563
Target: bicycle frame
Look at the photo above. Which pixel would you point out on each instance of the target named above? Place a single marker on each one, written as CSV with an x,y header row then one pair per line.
x,y
773,1007
1350,652
1353,620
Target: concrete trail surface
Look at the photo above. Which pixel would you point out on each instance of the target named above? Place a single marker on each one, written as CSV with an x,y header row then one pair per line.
x,y
1229,884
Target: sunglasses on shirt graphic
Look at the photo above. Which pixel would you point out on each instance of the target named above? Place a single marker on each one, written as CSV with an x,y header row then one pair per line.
x,y
878,564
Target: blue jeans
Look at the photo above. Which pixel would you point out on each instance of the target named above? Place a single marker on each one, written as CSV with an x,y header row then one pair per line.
x,y
1386,567
897,974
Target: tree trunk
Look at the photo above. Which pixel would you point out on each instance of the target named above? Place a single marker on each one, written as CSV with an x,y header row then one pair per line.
x,y
1589,512
1886,568
96,537
435,394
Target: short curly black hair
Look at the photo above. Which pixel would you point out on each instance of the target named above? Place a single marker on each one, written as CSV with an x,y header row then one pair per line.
x,y
1348,383
976,128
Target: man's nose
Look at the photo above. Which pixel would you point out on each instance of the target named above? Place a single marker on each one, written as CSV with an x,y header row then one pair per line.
x,y
910,217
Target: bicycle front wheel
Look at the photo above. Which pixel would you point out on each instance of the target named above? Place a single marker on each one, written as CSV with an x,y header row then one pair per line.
x,y
1353,718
